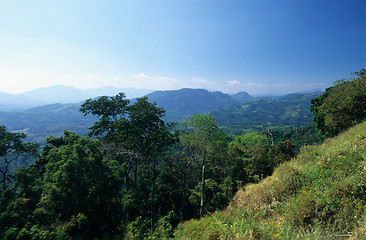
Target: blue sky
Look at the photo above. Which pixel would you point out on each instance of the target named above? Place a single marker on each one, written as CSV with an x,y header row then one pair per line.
x,y
258,46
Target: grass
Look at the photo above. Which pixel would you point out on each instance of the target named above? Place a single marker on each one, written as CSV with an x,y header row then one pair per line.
x,y
322,192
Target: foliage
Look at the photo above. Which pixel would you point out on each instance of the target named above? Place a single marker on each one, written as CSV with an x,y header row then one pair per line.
x,y
11,148
341,106
318,194
136,136
251,158
290,110
299,136
136,180
71,189
76,173
203,140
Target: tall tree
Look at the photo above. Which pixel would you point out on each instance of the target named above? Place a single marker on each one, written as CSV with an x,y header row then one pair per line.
x,y
200,138
136,135
11,148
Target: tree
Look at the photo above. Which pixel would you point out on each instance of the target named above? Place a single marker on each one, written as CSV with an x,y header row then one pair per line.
x,y
81,187
135,135
341,106
11,148
252,157
200,139
284,150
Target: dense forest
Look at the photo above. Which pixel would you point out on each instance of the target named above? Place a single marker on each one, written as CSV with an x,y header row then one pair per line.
x,y
136,176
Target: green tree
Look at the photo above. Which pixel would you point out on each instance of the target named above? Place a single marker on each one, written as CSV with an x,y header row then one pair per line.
x,y
11,148
135,135
251,157
81,188
202,137
341,106
285,150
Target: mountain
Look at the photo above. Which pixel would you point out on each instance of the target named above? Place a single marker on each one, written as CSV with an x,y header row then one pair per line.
x,y
61,94
180,104
11,102
320,194
292,109
40,122
64,94
242,97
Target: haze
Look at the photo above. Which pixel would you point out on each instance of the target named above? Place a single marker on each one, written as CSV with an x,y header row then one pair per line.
x,y
262,47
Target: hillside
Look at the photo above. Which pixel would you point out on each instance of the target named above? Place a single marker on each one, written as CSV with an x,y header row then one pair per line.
x,y
317,195
180,104
40,122
292,109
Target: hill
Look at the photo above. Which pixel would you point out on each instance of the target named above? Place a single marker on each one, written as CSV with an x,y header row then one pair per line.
x,y
292,109
242,97
180,104
40,122
318,195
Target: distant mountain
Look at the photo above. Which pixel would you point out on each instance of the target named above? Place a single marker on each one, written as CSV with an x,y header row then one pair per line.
x,y
180,104
292,109
40,122
58,94
64,94
242,97
11,102
61,94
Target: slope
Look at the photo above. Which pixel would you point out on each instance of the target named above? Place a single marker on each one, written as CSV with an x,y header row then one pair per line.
x,y
292,109
319,194
180,104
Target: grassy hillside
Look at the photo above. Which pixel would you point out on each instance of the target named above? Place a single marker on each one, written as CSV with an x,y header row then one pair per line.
x,y
320,193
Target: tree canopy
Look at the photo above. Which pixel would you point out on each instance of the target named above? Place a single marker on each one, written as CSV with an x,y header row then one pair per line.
x,y
11,148
340,106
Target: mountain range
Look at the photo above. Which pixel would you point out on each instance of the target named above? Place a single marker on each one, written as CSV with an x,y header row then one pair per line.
x,y
61,94
239,111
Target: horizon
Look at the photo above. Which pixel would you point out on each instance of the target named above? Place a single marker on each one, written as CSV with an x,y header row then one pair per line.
x,y
263,48
152,90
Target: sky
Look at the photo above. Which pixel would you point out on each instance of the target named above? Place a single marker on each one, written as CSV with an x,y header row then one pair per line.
x,y
259,46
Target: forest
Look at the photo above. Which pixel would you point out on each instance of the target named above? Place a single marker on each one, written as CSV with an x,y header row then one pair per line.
x,y
135,176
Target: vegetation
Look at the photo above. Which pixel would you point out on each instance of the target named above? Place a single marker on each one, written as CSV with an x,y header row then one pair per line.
x,y
341,106
137,177
318,194
11,148
283,112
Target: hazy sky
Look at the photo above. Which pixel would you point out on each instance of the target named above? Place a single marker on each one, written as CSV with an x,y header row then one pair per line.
x,y
259,46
